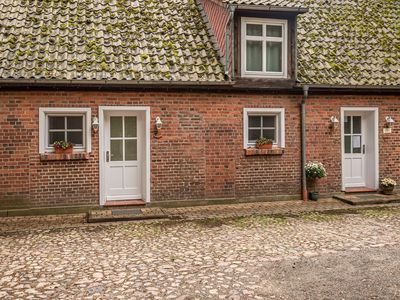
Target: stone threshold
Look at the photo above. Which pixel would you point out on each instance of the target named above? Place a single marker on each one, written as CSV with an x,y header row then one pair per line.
x,y
367,199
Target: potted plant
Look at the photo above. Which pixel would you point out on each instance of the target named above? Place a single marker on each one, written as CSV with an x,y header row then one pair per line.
x,y
63,147
264,143
314,171
387,185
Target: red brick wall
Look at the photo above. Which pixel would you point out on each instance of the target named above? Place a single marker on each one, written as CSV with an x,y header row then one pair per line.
x,y
325,145
200,155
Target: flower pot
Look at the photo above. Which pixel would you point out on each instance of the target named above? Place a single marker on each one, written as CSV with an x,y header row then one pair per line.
x,y
387,190
313,196
63,151
264,146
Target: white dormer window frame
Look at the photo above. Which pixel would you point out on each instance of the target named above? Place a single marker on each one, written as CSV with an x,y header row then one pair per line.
x,y
263,40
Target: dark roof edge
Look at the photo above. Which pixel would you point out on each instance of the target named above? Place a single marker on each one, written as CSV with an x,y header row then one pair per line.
x,y
106,83
299,10
326,87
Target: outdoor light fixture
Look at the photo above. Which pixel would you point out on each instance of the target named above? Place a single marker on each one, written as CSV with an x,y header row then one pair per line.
x,y
95,124
334,122
157,134
389,121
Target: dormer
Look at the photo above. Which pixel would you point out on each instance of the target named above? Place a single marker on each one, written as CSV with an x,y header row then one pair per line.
x,y
257,42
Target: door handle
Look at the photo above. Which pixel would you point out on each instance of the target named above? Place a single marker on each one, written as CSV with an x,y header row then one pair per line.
x,y
363,149
107,156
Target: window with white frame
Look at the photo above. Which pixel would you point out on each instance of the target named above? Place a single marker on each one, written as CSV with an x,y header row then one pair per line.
x,y
264,122
64,124
264,48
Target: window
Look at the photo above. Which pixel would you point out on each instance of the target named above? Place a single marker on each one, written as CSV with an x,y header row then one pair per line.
x,y
264,122
264,43
64,124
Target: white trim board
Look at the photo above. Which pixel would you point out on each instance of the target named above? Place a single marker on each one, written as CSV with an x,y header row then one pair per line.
x,y
146,111
43,111
375,112
280,112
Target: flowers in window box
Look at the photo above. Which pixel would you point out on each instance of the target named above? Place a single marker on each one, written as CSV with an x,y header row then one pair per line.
x,y
63,147
264,143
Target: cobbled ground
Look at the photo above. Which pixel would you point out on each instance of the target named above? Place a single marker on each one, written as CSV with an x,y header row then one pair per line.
x,y
260,257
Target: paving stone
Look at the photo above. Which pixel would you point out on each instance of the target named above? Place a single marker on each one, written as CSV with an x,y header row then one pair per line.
x,y
176,259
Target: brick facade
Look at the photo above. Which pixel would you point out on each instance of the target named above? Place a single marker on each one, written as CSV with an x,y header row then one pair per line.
x,y
200,155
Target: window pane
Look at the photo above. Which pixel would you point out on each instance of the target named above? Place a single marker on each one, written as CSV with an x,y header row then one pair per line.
x,y
130,149
254,134
75,122
254,30
347,144
56,122
274,56
356,143
75,137
269,121
269,134
347,126
254,55
254,121
274,31
356,124
116,126
116,150
56,136
130,127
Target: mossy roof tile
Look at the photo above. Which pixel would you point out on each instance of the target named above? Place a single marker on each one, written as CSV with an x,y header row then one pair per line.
x,y
106,39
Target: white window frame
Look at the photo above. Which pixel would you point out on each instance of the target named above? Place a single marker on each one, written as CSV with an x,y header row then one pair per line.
x,y
45,112
264,39
279,113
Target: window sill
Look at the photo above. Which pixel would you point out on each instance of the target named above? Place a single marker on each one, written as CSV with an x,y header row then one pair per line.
x,y
71,156
255,151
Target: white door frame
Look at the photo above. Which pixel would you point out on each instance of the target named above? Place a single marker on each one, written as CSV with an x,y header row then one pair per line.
x,y
147,162
375,112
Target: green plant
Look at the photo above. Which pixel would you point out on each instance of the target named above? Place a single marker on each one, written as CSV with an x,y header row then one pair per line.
x,y
62,145
315,170
263,141
388,182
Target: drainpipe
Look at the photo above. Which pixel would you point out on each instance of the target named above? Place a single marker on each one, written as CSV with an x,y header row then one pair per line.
x,y
303,144
229,29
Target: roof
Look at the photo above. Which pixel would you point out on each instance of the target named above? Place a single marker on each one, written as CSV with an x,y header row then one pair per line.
x,y
349,42
340,42
106,40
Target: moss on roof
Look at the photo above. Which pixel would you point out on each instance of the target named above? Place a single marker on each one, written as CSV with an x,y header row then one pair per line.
x,y
106,39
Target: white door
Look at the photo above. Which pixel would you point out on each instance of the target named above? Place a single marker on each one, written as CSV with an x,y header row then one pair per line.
x,y
122,153
354,147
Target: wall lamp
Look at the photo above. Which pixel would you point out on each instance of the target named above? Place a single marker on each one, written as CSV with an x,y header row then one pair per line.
x,y
158,123
389,121
95,124
334,122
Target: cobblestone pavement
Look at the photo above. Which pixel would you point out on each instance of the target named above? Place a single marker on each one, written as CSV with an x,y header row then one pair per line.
x,y
234,258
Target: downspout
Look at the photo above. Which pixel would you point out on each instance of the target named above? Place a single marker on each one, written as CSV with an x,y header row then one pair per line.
x,y
303,144
229,30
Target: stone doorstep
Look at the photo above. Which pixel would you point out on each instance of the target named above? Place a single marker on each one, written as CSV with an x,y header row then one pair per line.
x,y
125,214
363,199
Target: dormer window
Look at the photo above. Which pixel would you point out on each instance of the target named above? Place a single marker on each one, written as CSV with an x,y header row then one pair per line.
x,y
264,48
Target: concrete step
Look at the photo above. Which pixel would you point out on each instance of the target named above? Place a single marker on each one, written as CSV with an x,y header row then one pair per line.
x,y
125,214
367,199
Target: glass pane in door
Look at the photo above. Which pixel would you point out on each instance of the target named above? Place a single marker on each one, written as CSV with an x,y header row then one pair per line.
x,y
130,127
116,126
130,149
116,150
